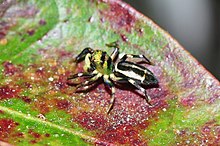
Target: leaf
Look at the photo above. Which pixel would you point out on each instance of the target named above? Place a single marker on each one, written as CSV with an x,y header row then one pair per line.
x,y
38,41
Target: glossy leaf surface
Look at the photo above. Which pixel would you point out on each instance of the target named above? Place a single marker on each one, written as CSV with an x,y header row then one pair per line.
x,y
38,41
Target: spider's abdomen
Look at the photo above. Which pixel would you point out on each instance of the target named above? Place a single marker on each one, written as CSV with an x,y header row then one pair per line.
x,y
102,62
136,72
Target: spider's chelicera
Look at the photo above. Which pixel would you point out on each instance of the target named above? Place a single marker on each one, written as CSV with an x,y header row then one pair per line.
x,y
98,64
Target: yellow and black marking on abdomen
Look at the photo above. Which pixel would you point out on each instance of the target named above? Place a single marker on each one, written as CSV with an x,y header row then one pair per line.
x,y
136,72
102,62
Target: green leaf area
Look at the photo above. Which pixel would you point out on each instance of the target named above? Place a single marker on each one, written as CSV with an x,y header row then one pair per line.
x,y
38,41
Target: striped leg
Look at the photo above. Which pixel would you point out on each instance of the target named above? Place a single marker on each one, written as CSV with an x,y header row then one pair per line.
x,y
147,97
112,87
86,84
135,56
114,53
121,79
82,74
82,55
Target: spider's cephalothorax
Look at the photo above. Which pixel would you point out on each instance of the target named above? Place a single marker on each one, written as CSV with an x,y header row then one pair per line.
x,y
98,64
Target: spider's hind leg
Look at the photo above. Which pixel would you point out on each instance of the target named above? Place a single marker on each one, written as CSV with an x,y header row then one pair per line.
x,y
147,97
136,56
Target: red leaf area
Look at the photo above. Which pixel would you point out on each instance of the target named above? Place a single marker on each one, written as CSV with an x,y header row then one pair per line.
x,y
6,128
8,132
7,92
36,137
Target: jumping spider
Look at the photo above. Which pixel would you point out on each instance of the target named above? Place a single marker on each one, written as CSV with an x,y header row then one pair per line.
x,y
98,64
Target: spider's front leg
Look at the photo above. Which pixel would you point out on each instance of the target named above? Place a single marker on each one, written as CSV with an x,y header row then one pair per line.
x,y
78,75
83,54
92,78
81,74
123,58
85,85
